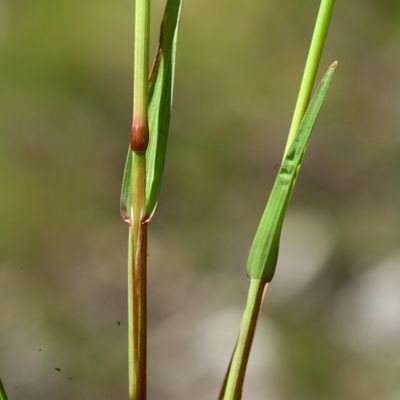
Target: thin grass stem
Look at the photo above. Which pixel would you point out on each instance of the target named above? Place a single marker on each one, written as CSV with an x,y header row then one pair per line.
x,y
141,58
237,370
137,274
137,269
311,68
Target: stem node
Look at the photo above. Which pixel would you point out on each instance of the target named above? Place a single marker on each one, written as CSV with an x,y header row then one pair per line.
x,y
139,136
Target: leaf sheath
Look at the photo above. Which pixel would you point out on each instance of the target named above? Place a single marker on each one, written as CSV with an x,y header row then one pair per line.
x,y
264,251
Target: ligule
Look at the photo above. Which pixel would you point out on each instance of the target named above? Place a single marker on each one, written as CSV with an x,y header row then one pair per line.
x,y
265,248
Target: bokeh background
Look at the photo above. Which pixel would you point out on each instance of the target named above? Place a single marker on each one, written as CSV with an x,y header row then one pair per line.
x,y
330,328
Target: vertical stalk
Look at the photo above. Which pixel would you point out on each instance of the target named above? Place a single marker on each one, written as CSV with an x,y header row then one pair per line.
x,y
237,370
233,382
137,276
141,59
137,273
310,71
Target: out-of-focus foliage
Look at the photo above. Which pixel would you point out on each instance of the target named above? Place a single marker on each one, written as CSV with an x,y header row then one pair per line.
x,y
331,323
3,394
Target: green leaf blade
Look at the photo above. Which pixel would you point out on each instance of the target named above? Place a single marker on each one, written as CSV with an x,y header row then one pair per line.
x,y
264,251
3,395
161,84
160,94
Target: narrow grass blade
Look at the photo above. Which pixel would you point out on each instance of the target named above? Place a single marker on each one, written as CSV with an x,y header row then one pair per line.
x,y
3,395
263,255
160,94
160,88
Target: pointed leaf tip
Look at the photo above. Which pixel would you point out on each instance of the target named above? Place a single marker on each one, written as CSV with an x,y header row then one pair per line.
x,y
264,251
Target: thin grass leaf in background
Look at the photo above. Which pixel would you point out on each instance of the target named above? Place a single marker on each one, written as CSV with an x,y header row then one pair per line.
x,y
3,395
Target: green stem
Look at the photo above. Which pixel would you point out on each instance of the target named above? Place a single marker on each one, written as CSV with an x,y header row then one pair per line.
x,y
141,59
221,393
137,269
310,71
237,370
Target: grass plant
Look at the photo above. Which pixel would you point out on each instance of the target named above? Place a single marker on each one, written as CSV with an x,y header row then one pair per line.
x,y
264,251
152,102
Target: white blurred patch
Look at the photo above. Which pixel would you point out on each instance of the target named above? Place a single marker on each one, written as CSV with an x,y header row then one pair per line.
x,y
218,334
306,244
368,311
192,352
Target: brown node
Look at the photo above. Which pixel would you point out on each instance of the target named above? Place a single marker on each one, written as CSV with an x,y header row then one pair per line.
x,y
139,136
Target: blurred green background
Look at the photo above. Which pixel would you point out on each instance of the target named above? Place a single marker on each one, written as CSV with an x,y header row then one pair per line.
x,y
330,327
